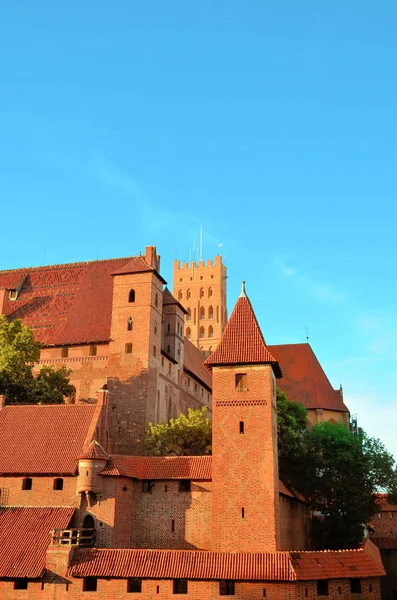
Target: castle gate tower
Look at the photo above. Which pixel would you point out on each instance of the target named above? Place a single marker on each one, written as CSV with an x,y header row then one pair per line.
x,y
245,492
201,289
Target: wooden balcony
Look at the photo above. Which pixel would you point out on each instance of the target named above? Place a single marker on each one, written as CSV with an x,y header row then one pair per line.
x,y
73,537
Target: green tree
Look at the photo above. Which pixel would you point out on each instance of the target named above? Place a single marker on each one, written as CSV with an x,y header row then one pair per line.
x,y
19,351
186,435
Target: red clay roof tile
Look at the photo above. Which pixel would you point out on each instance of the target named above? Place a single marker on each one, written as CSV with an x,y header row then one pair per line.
x,y
242,341
168,299
193,363
43,439
94,452
197,468
304,379
25,536
136,264
240,566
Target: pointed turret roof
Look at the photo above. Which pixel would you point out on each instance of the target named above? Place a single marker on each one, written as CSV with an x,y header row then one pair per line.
x,y
94,452
242,341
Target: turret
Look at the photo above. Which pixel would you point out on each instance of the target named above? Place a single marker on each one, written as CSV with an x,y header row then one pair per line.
x,y
91,462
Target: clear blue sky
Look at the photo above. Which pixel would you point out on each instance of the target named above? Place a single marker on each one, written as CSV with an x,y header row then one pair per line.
x,y
271,124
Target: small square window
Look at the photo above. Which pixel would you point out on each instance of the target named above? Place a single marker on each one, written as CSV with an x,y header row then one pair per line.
x,y
180,586
90,584
226,587
355,586
27,483
134,585
241,382
58,484
64,352
93,350
147,486
184,485
21,584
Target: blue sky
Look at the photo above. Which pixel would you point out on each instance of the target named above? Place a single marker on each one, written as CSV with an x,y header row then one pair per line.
x,y
271,124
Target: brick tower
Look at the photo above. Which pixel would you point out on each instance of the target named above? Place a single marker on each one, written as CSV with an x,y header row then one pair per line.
x,y
245,514
201,289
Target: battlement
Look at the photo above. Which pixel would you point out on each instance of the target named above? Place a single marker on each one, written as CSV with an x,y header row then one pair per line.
x,y
201,264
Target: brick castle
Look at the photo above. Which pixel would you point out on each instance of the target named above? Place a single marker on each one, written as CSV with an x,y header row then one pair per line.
x,y
83,513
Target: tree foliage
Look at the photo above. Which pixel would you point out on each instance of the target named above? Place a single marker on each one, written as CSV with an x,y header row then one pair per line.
x,y
338,473
186,435
19,351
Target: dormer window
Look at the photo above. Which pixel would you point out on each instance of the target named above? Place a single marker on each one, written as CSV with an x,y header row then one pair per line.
x,y
131,296
12,295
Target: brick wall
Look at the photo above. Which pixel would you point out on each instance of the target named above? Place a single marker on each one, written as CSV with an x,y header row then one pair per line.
x,y
294,524
169,518
116,589
41,494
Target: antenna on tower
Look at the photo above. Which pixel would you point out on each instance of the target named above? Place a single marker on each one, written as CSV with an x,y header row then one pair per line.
x,y
307,335
201,242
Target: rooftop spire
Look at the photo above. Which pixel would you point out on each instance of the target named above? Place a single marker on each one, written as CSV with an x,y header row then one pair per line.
x,y
243,294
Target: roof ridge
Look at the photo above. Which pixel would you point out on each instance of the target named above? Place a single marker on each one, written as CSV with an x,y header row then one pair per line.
x,y
72,264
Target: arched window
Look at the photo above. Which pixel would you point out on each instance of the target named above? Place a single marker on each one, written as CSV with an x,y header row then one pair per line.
x,y
188,333
89,522
202,312
128,348
27,483
131,296
202,293
210,331
210,312
180,295
58,484
130,324
209,292
202,333
188,294
189,315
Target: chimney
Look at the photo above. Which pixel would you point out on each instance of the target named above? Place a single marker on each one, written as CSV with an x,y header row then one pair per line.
x,y
3,300
152,258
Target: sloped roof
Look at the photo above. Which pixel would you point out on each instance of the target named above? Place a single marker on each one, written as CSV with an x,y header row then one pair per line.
x,y
304,379
240,566
161,467
25,536
242,341
65,304
43,439
136,264
193,363
168,299
385,542
94,452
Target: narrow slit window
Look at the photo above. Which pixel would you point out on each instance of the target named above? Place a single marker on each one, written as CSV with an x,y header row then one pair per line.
x,y
172,525
242,513
130,324
241,427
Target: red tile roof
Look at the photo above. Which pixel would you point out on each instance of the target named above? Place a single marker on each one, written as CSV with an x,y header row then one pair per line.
x,y
25,536
65,304
94,452
193,363
197,468
136,264
43,439
242,341
386,542
304,379
240,566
